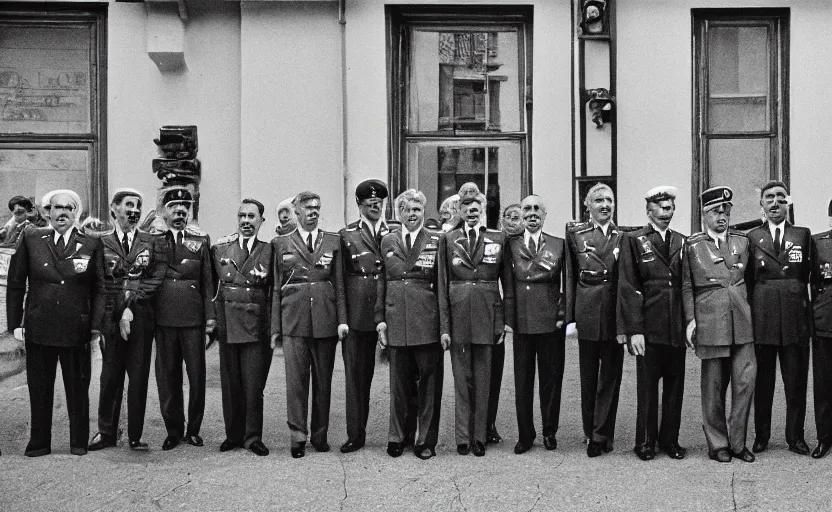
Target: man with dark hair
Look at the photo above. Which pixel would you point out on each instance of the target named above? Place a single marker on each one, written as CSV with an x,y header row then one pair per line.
x,y
778,289
20,207
243,309
822,338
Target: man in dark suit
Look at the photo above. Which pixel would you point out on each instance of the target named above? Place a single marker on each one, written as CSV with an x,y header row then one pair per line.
x,y
362,262
184,314
822,338
592,250
308,318
134,266
64,270
472,316
718,316
538,269
243,310
408,323
778,285
650,313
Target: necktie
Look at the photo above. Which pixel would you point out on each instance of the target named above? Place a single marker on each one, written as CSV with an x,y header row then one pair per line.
x,y
532,245
777,239
61,244
125,244
179,238
245,249
309,243
408,241
472,240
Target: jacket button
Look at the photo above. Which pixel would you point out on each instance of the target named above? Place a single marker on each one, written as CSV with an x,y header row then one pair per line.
x,y
62,282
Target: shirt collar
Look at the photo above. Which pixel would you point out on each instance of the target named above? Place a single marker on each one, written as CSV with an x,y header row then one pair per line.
x,y
374,228
528,234
130,234
66,236
413,234
477,227
772,226
717,238
604,229
305,234
662,233
250,242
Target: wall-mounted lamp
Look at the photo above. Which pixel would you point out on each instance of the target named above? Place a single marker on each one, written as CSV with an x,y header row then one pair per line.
x,y
600,104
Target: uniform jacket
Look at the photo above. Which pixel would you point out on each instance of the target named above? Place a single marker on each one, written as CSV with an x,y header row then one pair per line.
x,y
650,287
470,307
592,279
714,291
362,260
822,284
243,304
66,290
185,297
407,301
308,298
134,277
778,286
538,283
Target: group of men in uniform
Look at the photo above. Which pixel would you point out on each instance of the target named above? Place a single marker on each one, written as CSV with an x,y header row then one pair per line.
x,y
739,300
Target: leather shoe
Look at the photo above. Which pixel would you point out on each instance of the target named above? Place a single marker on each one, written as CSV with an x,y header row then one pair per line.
x,y
720,455
493,437
100,441
171,442
821,449
745,455
478,449
395,449
228,445
522,447
594,449
799,447
298,450
759,446
258,448
351,446
675,451
550,442
463,449
645,452
193,440
321,447
424,452
37,452
78,450
139,445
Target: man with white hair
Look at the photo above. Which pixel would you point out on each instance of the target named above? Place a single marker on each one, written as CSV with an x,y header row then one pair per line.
x,y
64,269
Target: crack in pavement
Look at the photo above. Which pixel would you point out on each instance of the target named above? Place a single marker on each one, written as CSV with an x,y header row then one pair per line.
x,y
344,482
155,500
458,495
733,489
539,495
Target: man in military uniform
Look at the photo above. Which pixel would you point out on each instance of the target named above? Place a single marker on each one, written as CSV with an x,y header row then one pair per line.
x,y
650,312
718,316
243,309
472,316
64,270
778,286
134,265
308,318
538,263
592,250
822,339
408,323
362,261
184,314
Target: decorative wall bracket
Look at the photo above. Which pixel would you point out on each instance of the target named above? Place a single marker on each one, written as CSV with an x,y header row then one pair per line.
x,y
594,20
600,103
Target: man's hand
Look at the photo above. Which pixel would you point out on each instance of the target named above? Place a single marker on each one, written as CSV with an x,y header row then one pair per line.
x,y
381,329
210,325
124,323
445,339
559,324
571,328
690,334
277,341
507,328
97,337
343,329
20,334
621,338
637,341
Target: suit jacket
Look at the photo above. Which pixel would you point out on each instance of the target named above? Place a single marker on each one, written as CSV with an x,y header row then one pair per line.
x,y
538,283
407,301
714,291
362,261
778,284
822,284
243,304
66,289
592,279
470,307
185,297
134,277
308,298
650,287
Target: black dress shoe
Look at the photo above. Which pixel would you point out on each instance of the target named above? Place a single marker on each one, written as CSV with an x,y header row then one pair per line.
x,y
493,437
78,450
298,450
594,449
351,446
101,441
424,452
821,449
645,452
759,446
321,447
228,445
550,442
395,449
139,445
463,449
675,451
193,440
522,447
258,448
721,455
478,449
37,452
799,447
745,455
171,442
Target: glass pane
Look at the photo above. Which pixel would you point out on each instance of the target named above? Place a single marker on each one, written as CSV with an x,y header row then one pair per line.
x,y
438,169
464,80
739,78
743,165
45,79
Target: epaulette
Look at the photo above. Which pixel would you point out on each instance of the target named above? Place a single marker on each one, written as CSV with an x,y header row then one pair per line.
x,y
493,231
193,229
629,229
697,237
227,239
823,236
574,226
737,233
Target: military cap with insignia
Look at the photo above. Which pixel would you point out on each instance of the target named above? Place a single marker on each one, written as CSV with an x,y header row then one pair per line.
x,y
370,188
661,193
715,197
177,195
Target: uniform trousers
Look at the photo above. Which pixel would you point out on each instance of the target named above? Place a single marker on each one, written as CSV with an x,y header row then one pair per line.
x,y
244,368
41,365
549,350
794,369
175,345
740,370
498,361
305,357
822,383
422,366
359,352
665,363
131,356
471,367
601,365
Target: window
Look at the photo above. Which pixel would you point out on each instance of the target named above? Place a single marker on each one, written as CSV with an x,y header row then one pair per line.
x,y
740,117
52,129
461,89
